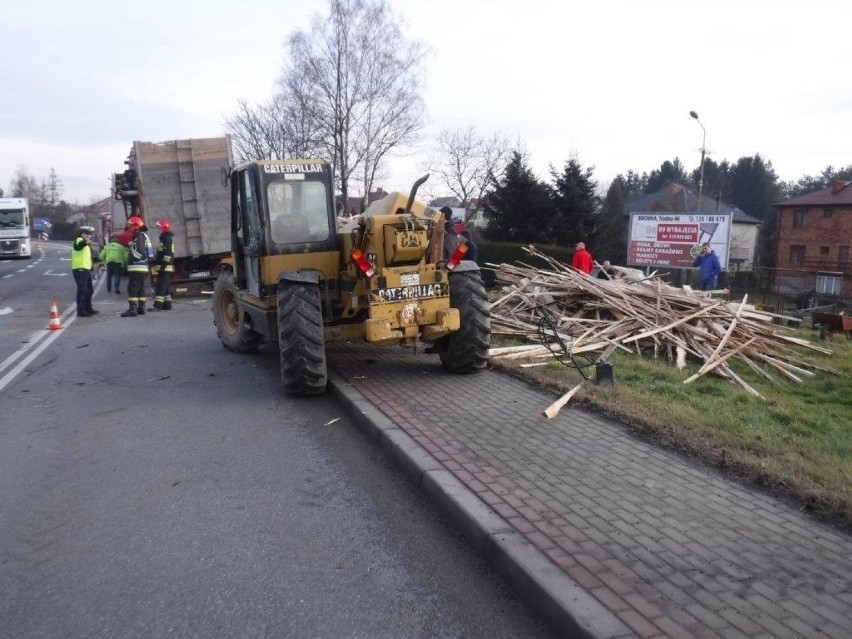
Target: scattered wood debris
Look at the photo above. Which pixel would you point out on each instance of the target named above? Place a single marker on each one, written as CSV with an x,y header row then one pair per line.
x,y
551,411
640,313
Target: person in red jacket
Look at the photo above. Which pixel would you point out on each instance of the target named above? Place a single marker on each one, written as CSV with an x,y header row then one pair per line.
x,y
582,260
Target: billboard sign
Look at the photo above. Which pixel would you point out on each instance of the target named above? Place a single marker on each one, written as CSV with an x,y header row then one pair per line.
x,y
674,240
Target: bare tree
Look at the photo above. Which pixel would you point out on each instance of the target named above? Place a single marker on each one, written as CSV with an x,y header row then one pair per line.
x,y
25,185
357,79
467,162
275,130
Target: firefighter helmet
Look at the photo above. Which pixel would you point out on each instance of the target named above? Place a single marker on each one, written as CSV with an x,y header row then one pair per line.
x,y
164,226
136,222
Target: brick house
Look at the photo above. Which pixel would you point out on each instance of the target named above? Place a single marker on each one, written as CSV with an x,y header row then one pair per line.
x,y
356,204
814,236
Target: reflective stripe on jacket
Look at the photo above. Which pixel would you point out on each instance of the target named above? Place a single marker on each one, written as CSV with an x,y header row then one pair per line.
x,y
137,258
166,253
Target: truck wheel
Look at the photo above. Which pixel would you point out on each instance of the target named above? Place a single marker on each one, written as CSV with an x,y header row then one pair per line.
x,y
466,350
301,339
235,334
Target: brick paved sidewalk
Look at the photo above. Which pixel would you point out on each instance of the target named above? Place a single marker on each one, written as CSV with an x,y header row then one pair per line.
x,y
666,546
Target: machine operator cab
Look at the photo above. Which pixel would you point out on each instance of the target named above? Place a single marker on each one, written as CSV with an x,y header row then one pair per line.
x,y
280,208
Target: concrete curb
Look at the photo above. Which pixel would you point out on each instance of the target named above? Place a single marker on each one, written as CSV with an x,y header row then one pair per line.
x,y
562,602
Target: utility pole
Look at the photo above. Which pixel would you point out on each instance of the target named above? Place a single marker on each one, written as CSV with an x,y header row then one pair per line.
x,y
703,148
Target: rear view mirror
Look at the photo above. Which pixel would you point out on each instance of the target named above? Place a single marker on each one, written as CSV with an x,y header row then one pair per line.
x,y
224,176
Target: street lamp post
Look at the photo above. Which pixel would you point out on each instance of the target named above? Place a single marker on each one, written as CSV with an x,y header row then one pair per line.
x,y
703,140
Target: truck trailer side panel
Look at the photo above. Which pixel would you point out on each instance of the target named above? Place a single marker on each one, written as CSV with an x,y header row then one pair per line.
x,y
180,180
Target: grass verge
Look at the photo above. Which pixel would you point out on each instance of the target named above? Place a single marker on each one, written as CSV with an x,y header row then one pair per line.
x,y
797,442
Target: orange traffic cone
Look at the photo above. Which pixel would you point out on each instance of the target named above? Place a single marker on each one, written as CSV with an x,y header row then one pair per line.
x,y
54,324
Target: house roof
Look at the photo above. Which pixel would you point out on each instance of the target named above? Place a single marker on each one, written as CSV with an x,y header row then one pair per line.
x,y
676,197
355,203
450,201
838,194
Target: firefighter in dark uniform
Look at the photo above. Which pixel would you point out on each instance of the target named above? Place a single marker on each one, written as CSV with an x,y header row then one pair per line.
x,y
137,267
164,260
81,266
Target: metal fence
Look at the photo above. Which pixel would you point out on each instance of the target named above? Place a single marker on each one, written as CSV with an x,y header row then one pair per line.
x,y
779,289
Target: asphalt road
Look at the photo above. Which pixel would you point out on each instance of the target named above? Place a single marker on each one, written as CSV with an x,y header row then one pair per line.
x,y
154,484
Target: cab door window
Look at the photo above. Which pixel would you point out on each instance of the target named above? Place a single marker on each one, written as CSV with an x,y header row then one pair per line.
x,y
251,218
297,212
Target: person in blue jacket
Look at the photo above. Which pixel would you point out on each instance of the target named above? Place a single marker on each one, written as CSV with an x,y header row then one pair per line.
x,y
708,267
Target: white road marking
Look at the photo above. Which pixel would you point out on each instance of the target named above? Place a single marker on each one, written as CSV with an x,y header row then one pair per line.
x,y
65,319
5,380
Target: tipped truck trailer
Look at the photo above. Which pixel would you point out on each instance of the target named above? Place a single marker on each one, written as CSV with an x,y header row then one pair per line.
x,y
300,282
181,181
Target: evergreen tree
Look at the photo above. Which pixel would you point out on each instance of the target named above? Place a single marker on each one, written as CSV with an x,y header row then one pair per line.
x,y
810,183
668,173
717,180
519,207
755,189
576,205
611,242
633,186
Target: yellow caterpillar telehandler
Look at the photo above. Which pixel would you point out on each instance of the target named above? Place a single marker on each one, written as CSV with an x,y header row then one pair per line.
x,y
302,277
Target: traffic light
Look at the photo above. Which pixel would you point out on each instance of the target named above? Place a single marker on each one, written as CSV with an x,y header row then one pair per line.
x,y
118,184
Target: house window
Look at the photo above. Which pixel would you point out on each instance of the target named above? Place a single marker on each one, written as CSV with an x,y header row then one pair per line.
x,y
843,254
828,212
828,284
800,218
823,250
797,253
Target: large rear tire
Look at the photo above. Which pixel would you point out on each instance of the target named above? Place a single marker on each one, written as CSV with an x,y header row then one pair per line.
x,y
236,335
301,339
466,350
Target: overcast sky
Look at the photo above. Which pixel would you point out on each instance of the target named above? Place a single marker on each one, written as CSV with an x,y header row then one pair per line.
x,y
609,82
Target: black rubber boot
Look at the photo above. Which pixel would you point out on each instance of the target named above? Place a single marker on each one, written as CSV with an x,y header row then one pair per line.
x,y
158,306
167,306
130,312
140,308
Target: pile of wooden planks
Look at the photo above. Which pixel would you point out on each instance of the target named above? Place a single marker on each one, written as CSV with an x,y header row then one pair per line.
x,y
643,314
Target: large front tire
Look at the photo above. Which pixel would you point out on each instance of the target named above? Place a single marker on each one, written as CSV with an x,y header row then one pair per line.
x,y
236,335
301,339
466,350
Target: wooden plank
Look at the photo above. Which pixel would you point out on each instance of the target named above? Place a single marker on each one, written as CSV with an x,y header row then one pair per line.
x,y
730,330
551,411
721,360
496,352
670,326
